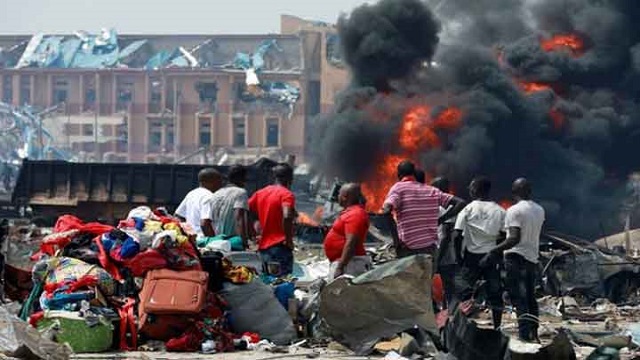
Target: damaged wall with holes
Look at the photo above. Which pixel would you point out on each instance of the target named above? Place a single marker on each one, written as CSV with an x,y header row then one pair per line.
x,y
151,98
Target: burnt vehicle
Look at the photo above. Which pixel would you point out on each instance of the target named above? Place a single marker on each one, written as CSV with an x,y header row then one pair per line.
x,y
576,267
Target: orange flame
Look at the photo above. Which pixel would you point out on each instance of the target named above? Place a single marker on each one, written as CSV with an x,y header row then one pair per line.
x,y
305,219
557,119
571,42
419,130
533,87
376,189
505,204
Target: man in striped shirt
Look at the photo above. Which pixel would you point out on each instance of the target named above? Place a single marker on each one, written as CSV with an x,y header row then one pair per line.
x,y
416,207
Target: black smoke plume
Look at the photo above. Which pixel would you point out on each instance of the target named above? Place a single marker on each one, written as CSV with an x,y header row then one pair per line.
x,y
577,141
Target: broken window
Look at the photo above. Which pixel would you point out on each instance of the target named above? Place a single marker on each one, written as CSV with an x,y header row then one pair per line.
x,y
155,136
7,89
155,95
124,93
205,132
239,132
273,132
170,139
87,129
25,89
208,93
122,137
171,96
60,90
90,95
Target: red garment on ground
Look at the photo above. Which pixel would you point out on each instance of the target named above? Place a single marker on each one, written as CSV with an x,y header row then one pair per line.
x,y
352,220
73,286
149,259
105,261
268,203
68,223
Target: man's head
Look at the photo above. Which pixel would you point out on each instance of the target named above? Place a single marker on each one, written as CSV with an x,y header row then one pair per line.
x,y
210,179
406,168
283,174
441,183
521,189
350,194
480,188
237,175
421,176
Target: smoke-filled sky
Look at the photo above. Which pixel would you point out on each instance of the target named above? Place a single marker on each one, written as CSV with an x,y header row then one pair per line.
x,y
546,89
162,16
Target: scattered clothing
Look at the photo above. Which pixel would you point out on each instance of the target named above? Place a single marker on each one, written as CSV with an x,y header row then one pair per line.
x,y
417,211
196,207
224,203
529,217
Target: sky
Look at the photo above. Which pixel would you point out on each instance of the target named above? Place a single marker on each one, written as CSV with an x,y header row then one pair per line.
x,y
163,16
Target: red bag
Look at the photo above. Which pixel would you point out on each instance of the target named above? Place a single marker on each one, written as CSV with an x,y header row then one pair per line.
x,y
145,261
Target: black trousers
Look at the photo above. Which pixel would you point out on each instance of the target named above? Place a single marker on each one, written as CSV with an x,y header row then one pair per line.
x,y
472,272
521,284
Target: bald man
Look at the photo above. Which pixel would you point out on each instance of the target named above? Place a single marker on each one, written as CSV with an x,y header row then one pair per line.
x,y
196,208
523,222
344,244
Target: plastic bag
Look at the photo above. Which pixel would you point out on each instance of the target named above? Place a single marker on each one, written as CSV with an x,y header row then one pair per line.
x,y
19,340
255,309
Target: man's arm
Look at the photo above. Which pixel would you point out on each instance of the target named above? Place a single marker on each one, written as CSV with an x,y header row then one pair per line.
x,y
288,213
513,239
240,216
456,205
206,225
347,253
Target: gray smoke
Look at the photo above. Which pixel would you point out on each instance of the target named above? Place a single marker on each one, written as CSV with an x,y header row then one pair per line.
x,y
578,164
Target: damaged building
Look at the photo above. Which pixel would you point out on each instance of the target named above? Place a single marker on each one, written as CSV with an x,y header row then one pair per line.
x,y
163,98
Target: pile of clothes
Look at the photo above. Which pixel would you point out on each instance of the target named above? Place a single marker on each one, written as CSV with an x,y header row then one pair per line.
x,y
142,281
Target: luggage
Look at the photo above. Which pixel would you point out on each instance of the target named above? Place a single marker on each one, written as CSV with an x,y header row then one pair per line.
x,y
168,300
172,292
212,264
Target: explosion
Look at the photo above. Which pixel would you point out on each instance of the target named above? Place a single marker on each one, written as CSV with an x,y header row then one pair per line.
x,y
570,42
504,73
419,130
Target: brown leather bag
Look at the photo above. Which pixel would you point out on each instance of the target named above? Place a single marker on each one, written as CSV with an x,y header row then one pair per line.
x,y
168,292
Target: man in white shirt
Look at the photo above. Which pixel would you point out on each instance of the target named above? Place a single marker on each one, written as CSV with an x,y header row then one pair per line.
x,y
481,225
523,222
196,208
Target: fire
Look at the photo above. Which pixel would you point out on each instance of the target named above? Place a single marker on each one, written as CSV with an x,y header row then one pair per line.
x,y
305,219
571,42
557,118
376,189
505,204
419,130
533,87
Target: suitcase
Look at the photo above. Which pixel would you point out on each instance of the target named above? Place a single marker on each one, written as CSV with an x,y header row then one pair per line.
x,y
169,301
172,292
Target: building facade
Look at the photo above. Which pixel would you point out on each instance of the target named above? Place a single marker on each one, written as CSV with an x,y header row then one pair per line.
x,y
177,98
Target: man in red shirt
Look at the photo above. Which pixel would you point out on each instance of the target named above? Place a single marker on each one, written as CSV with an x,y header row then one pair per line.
x,y
344,244
275,208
